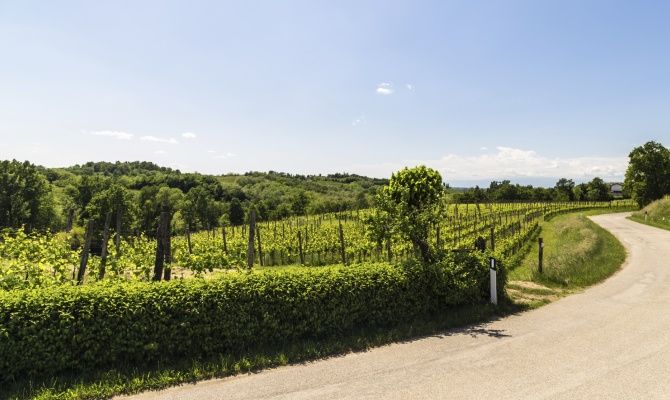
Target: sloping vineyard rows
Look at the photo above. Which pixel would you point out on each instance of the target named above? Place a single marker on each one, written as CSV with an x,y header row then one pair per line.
x,y
48,259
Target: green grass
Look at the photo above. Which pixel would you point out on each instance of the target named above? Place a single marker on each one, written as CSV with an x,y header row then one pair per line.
x,y
131,380
658,214
577,253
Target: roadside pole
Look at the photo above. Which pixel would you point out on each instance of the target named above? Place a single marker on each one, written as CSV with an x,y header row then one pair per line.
x,y
494,282
540,250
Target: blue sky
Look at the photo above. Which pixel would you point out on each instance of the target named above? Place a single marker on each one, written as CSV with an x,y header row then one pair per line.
x,y
525,90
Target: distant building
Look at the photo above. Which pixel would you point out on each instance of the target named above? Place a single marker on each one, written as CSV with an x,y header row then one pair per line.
x,y
616,189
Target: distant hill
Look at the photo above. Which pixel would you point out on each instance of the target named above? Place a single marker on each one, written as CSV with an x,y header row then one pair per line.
x,y
275,194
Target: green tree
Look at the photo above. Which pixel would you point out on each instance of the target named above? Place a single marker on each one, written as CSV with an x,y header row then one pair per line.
x,y
25,197
648,173
565,190
411,205
300,203
598,190
236,212
119,201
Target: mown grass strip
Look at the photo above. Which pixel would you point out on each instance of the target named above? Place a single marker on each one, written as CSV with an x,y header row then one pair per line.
x,y
577,253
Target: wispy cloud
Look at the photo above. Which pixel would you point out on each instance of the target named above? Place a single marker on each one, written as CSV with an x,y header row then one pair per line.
x,y
160,152
188,135
385,88
511,163
225,156
409,87
159,140
359,121
483,148
211,151
120,135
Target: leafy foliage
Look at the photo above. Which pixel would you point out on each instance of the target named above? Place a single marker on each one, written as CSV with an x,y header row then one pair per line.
x,y
410,205
648,174
25,197
52,330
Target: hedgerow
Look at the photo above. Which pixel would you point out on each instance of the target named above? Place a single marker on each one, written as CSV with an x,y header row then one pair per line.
x,y
50,331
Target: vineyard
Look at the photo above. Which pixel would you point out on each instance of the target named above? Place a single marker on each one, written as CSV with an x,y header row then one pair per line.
x,y
46,259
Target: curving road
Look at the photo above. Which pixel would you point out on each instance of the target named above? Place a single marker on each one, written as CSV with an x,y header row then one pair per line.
x,y
612,341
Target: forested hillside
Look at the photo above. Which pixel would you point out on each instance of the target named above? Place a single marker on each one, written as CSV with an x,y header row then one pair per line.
x,y
58,198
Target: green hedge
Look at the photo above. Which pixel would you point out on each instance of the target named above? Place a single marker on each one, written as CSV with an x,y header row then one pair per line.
x,y
46,332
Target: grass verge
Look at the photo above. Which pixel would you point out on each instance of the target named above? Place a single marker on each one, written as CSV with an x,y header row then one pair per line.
x,y
655,223
656,214
132,380
577,253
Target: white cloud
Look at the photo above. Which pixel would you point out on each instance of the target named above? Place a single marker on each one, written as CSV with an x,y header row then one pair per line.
x,y
159,140
409,87
385,88
483,148
188,135
160,152
359,121
511,163
211,151
114,134
225,156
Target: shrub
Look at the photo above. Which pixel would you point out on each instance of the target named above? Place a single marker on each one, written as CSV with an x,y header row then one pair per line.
x,y
46,332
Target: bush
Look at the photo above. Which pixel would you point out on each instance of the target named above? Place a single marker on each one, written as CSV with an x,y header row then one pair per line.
x,y
46,332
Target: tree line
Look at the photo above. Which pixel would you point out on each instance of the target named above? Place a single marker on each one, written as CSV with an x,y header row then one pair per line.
x,y
564,190
136,193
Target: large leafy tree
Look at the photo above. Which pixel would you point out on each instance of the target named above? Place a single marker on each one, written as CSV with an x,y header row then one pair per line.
x,y
236,212
152,201
25,197
410,205
598,190
648,174
200,207
565,190
117,200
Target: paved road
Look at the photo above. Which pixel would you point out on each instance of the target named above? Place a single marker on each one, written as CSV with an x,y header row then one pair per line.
x,y
610,342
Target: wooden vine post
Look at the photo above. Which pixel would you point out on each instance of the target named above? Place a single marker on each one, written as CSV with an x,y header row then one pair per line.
x,y
119,227
225,242
250,245
84,253
260,247
167,246
70,219
103,251
302,256
159,261
493,239
389,254
188,240
342,249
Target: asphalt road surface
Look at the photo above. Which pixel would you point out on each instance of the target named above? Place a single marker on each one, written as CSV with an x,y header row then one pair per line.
x,y
611,341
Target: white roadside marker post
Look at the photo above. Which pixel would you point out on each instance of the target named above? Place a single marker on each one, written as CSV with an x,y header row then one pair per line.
x,y
494,282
